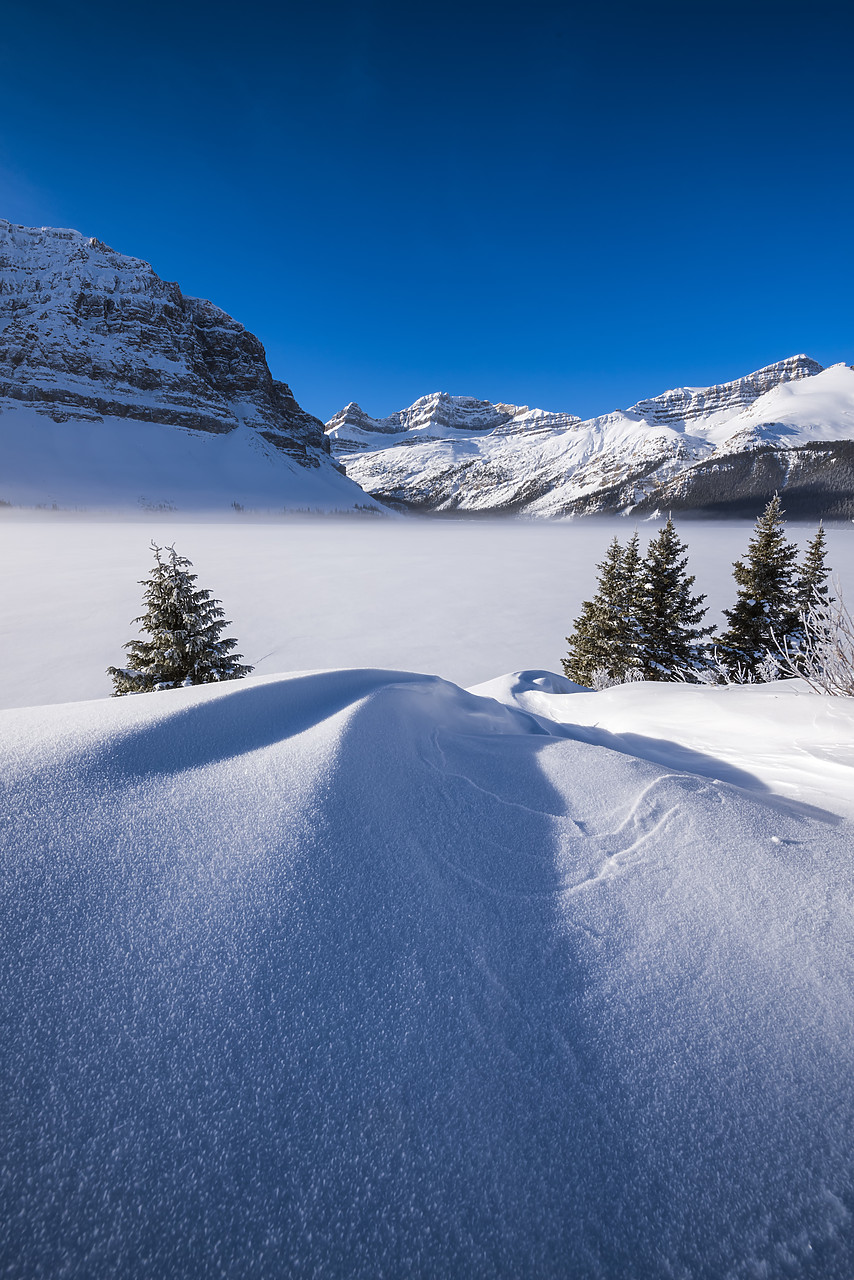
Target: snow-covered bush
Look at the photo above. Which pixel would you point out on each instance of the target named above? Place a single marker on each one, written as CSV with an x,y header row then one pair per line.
x,y
720,671
601,678
822,653
185,625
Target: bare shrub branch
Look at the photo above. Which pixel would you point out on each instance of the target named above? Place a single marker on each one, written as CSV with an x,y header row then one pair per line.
x,y
822,652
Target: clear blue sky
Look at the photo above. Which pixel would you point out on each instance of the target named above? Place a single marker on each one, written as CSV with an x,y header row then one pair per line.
x,y
564,205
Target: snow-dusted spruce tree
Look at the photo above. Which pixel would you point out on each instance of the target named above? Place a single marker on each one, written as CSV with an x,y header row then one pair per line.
x,y
813,572
604,644
765,612
812,599
669,616
184,625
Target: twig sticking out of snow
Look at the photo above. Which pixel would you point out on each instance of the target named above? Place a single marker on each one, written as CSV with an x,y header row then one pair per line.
x,y
602,679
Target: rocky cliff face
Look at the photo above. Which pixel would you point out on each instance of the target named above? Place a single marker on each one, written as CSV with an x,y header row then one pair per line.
x,y
87,333
687,405
668,451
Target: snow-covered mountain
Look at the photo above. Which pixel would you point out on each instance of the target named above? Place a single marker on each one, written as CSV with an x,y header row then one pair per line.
x,y
788,426
435,417
115,387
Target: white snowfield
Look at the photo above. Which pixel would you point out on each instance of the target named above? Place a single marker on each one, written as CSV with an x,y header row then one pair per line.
x,y
356,973
449,453
459,599
118,464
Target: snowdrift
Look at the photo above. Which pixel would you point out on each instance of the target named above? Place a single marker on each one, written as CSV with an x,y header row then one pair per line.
x,y
354,973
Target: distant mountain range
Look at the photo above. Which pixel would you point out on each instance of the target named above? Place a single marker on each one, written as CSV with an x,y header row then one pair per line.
x,y
116,389
720,450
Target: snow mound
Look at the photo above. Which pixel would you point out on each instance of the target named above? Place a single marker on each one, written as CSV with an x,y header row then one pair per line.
x,y
356,973
777,737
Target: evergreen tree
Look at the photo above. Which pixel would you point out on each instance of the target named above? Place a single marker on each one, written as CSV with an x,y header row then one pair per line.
x,y
811,601
668,614
185,626
764,614
605,635
812,573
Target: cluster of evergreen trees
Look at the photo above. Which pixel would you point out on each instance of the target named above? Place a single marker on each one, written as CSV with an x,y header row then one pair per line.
x,y
645,622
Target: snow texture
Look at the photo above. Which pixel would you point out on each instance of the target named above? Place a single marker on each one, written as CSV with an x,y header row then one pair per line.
x,y
121,463
355,973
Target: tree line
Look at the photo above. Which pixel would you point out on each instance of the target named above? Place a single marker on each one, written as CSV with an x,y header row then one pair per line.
x,y
646,623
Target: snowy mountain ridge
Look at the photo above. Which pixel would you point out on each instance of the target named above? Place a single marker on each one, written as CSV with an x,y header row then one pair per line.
x,y
697,404
435,417
97,339
551,464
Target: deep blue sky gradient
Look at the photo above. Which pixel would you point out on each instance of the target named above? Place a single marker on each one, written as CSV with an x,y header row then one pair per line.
x,y
563,205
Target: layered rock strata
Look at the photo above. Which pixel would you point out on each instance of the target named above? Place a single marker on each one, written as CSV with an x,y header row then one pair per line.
x,y
88,333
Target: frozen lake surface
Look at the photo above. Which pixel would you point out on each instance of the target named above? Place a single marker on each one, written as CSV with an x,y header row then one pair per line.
x,y
466,600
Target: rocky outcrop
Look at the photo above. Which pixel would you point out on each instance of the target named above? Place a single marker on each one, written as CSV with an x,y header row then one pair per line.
x,y
88,333
686,405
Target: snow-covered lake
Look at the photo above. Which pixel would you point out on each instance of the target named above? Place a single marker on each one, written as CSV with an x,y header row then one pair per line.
x,y
466,600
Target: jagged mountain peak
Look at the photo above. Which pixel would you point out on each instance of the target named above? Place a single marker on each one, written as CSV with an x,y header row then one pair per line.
x,y
88,332
685,404
437,416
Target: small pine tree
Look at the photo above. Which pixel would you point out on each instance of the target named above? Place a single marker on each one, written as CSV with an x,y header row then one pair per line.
x,y
669,616
185,626
605,635
812,601
812,573
764,614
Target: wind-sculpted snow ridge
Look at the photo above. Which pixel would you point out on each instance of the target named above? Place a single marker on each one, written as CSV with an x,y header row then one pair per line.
x,y
96,343
355,973
787,427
